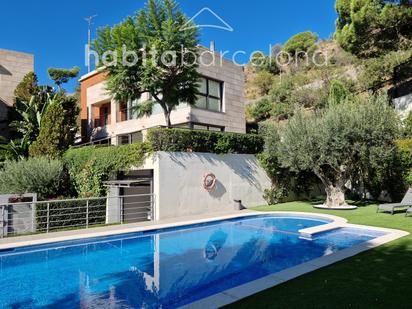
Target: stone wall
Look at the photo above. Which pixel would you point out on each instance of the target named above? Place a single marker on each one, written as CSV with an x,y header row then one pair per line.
x,y
13,67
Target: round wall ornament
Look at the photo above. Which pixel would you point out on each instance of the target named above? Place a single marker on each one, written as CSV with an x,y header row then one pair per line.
x,y
209,182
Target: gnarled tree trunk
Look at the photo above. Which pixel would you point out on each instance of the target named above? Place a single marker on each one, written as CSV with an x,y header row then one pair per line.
x,y
335,196
335,188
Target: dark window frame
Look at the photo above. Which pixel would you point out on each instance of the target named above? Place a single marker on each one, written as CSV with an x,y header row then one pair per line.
x,y
207,95
193,124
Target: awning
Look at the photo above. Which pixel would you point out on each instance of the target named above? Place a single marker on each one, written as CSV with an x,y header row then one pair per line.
x,y
127,183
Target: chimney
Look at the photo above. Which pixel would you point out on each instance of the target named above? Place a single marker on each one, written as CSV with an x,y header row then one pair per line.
x,y
212,46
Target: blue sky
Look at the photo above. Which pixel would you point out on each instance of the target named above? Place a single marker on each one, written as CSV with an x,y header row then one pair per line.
x,y
55,31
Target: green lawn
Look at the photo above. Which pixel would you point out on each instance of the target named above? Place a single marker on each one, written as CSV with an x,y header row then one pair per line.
x,y
379,278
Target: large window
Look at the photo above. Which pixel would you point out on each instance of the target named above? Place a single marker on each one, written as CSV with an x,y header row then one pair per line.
x,y
131,138
211,95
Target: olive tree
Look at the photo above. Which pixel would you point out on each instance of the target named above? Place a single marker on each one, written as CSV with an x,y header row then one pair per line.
x,y
337,144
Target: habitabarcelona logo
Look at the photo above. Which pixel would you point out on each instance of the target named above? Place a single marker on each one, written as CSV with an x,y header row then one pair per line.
x,y
219,23
206,57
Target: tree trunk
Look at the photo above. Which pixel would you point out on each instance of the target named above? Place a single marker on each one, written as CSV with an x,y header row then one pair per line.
x,y
335,190
335,196
167,118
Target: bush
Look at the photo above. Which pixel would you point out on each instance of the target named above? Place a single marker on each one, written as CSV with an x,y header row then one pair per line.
x,y
281,111
407,126
404,148
337,92
35,175
175,140
58,128
264,82
89,167
261,110
274,195
301,42
379,70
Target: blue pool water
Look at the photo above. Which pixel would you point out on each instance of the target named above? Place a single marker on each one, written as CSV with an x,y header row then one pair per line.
x,y
164,268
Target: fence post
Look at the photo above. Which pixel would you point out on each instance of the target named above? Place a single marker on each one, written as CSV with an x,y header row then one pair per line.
x,y
48,217
151,211
33,217
121,209
87,214
152,202
2,221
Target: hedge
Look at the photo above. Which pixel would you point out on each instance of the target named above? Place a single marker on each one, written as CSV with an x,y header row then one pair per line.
x,y
89,167
33,175
405,157
178,140
70,214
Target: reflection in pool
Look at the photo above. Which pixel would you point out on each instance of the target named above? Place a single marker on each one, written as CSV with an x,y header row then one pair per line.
x,y
167,268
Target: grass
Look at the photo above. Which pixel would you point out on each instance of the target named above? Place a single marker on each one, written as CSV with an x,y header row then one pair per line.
x,y
379,278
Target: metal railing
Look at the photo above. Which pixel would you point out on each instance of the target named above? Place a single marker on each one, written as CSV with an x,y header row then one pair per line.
x,y
56,215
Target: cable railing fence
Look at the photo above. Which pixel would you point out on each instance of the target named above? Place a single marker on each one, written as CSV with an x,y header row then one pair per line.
x,y
57,215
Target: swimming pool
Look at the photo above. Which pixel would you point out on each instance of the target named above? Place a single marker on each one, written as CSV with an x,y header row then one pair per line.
x,y
169,267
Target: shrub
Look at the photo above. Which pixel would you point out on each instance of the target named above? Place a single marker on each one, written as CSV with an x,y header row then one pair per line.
x,y
89,167
407,126
274,195
379,70
309,97
281,111
264,82
58,128
261,110
404,148
34,175
175,140
337,92
301,42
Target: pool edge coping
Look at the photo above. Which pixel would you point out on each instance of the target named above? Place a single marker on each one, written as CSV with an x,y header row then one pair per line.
x,y
56,237
248,289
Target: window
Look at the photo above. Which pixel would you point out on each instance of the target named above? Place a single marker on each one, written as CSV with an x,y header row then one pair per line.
x,y
105,116
123,140
207,127
199,126
131,138
210,97
101,115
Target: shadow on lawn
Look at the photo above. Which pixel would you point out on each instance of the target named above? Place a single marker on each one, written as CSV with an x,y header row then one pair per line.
x,y
359,203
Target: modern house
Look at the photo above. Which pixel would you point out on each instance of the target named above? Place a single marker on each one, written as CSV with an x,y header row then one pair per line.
x,y
13,67
220,106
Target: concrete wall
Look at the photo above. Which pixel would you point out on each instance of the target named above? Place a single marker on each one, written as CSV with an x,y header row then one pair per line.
x,y
403,105
178,183
13,67
18,218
